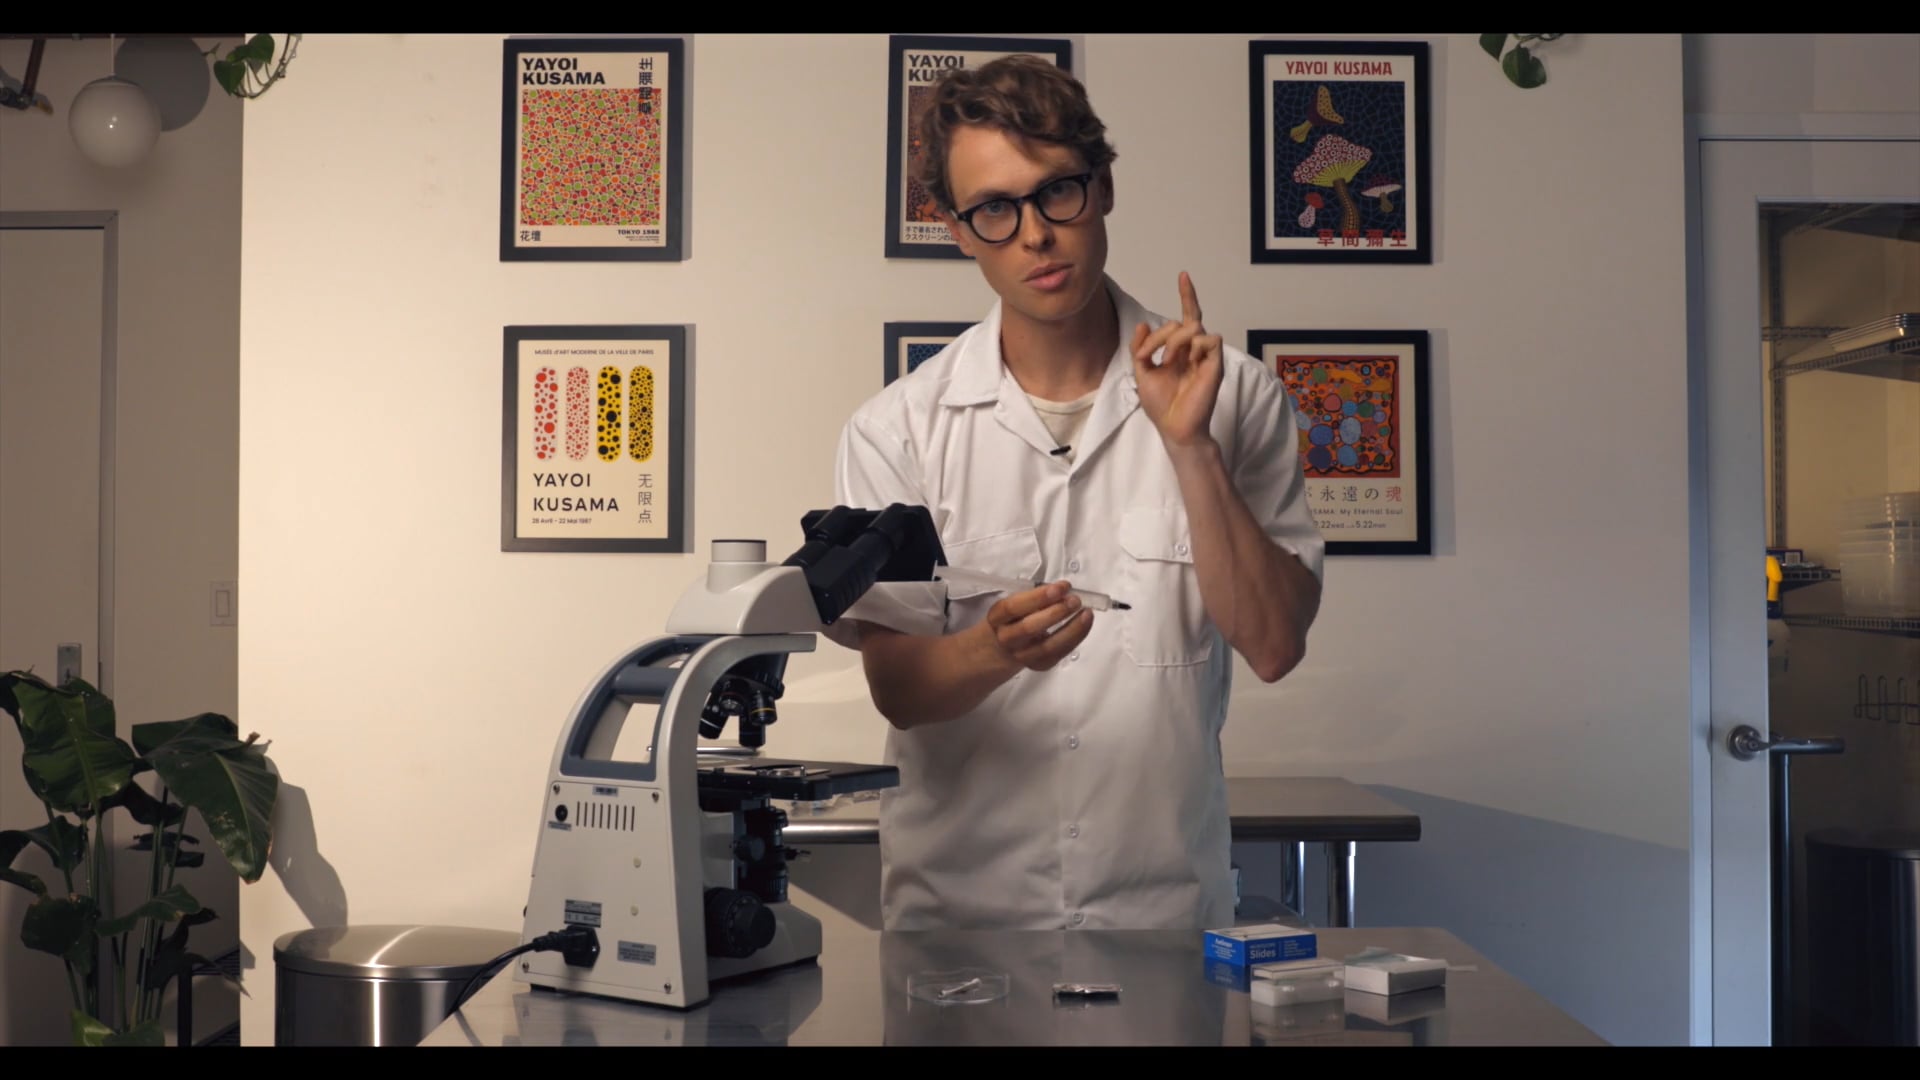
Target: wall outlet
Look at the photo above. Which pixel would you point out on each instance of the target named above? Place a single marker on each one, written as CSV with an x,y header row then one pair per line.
x,y
224,594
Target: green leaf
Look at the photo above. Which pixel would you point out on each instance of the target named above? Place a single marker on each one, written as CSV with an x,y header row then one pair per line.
x,y
261,51
1524,69
150,1033
166,907
150,737
172,957
174,853
145,809
231,785
25,880
9,702
63,841
12,843
229,73
1493,43
63,926
89,1032
73,760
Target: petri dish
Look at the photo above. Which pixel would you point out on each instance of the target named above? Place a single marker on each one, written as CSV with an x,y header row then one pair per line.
x,y
959,986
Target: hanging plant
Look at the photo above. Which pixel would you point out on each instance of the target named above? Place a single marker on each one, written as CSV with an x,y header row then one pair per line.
x,y
243,71
1523,68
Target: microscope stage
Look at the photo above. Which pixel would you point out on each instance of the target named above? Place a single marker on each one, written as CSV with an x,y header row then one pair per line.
x,y
800,781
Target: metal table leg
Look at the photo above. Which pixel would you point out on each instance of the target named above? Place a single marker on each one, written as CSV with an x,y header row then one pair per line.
x,y
1339,882
1293,878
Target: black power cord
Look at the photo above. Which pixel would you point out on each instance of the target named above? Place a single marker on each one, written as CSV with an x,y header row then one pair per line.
x,y
579,944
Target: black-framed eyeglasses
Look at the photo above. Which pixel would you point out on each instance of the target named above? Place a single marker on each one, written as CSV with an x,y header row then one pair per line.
x,y
996,220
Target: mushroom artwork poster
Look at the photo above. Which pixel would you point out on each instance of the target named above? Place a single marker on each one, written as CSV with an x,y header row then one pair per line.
x,y
1339,152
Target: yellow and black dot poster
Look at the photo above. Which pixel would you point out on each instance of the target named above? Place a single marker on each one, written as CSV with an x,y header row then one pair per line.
x,y
592,454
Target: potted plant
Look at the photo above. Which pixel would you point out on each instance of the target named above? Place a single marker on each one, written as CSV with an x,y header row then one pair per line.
x,y
119,963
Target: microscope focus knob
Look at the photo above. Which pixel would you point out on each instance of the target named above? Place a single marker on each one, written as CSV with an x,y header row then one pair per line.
x,y
738,924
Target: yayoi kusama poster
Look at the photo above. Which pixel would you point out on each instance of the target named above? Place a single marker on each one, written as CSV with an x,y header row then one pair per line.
x,y
592,446
1340,152
1359,405
915,229
591,136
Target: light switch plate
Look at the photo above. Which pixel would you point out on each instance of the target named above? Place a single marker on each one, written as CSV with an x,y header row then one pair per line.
x,y
224,597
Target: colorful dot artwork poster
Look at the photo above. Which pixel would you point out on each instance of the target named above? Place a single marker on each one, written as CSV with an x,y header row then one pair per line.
x,y
1339,147
1359,418
591,131
914,226
591,439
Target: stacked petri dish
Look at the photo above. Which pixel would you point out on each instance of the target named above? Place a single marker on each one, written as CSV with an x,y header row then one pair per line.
x,y
1880,554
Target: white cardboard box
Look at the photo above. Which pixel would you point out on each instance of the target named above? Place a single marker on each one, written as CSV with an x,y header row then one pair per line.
x,y
1394,973
1298,981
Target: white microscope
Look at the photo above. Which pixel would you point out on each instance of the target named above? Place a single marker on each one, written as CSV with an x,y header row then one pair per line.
x,y
670,853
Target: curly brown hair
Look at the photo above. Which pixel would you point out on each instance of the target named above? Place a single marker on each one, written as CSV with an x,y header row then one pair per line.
x,y
1026,96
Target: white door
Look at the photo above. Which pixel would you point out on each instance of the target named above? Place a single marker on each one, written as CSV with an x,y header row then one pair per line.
x,y
1740,181
51,316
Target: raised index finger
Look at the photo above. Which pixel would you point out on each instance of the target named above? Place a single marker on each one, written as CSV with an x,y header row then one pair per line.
x,y
1189,300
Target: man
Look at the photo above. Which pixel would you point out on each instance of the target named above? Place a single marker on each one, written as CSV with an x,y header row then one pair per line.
x,y
1059,770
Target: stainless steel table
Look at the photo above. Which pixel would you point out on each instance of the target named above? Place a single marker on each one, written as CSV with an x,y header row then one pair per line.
x,y
1297,810
856,994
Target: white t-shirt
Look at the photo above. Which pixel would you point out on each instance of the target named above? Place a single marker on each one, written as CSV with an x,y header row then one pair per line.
x,y
1091,795
1064,419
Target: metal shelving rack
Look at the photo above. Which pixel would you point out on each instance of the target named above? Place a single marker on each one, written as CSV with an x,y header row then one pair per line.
x,y
1895,359
1903,626
1898,358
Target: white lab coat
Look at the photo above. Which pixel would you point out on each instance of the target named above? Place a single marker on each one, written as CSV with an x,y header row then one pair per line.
x,y
1091,795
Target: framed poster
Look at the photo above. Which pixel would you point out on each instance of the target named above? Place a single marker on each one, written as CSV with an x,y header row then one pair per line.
x,y
593,447
1360,406
914,64
910,344
591,132
1340,152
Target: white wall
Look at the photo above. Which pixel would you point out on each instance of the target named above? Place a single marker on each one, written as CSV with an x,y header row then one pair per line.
x,y
1734,75
178,347
1525,689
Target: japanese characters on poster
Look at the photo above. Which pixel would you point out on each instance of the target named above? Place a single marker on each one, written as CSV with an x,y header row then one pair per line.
x,y
591,137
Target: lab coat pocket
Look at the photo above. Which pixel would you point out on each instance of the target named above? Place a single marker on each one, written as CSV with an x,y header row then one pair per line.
x,y
1167,626
1011,554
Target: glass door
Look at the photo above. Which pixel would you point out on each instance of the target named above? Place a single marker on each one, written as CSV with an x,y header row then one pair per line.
x,y
1840,306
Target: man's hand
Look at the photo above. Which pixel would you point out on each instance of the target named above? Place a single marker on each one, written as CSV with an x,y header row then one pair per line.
x,y
1020,628
1178,395
930,679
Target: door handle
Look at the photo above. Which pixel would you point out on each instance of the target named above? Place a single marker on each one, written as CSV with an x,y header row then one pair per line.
x,y
1746,743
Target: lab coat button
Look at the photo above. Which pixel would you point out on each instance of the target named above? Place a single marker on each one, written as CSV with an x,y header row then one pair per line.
x,y
1078,918
1073,831
1075,656
1180,549
1073,742
1074,566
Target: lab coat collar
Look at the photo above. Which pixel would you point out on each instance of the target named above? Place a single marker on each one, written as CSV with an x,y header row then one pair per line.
x,y
979,370
980,376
